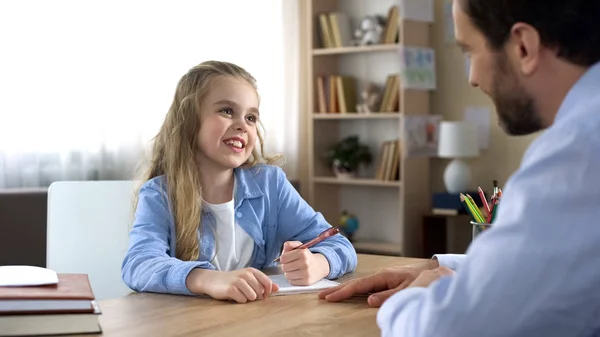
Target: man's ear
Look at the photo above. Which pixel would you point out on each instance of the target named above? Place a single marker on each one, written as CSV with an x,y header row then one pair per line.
x,y
524,48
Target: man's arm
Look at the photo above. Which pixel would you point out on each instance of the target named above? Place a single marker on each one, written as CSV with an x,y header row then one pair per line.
x,y
534,274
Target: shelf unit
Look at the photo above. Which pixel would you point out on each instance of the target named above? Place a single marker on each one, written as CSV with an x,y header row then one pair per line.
x,y
390,212
355,49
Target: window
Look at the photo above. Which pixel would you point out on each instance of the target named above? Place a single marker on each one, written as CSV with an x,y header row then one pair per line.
x,y
85,85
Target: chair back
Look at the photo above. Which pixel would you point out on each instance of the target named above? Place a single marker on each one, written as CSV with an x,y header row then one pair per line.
x,y
88,231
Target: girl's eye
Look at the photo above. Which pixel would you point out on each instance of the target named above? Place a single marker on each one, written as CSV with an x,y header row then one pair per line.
x,y
252,118
228,111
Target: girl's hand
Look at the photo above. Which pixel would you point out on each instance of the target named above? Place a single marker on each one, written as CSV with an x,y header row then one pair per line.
x,y
300,266
242,285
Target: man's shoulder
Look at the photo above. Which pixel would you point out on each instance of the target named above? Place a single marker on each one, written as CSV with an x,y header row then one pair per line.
x,y
576,132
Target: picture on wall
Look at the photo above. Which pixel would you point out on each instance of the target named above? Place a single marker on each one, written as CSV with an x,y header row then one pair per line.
x,y
418,68
421,135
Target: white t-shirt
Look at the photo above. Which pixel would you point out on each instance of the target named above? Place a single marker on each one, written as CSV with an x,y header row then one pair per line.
x,y
233,245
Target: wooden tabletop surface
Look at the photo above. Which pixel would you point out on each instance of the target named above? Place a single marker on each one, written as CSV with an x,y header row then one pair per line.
x,y
148,315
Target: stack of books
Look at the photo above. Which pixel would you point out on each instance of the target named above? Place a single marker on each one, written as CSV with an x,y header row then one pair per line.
x,y
37,301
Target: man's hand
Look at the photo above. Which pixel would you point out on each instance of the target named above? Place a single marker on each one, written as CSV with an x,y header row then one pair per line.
x,y
429,276
301,267
381,285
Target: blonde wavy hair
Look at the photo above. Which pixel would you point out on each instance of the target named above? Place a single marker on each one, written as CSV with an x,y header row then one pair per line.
x,y
175,147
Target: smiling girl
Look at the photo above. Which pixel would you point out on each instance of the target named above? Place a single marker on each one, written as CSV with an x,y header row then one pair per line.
x,y
212,210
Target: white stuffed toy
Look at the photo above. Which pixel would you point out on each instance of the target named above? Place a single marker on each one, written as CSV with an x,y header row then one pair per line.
x,y
369,31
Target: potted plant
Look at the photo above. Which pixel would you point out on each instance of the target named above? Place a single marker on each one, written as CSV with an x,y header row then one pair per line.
x,y
346,156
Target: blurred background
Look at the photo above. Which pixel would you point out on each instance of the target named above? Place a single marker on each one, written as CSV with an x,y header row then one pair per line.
x,y
85,85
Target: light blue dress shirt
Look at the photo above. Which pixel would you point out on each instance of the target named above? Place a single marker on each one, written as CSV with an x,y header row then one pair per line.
x,y
267,207
537,271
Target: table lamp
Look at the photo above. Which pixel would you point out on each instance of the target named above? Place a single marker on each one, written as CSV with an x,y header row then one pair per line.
x,y
458,140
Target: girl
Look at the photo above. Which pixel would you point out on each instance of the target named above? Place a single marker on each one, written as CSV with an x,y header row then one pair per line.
x,y
212,210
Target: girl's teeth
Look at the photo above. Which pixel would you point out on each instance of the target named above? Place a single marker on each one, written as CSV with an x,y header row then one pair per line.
x,y
235,143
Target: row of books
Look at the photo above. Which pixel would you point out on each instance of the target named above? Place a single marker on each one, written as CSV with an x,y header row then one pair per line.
x,y
388,166
37,301
336,93
335,29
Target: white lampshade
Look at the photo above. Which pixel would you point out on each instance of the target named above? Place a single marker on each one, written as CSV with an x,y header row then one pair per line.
x,y
458,140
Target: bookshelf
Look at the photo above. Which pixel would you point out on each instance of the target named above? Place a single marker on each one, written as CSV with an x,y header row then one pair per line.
x,y
389,210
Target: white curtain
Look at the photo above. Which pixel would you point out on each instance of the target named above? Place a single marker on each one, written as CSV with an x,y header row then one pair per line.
x,y
85,85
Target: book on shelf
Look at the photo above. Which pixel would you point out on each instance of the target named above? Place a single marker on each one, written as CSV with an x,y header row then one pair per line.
x,y
391,29
335,30
336,94
391,94
388,166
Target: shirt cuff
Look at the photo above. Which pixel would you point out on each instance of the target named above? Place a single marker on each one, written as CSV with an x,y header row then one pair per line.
x,y
177,279
335,265
452,261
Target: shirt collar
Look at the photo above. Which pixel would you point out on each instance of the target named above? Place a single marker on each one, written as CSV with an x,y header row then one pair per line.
x,y
586,88
247,186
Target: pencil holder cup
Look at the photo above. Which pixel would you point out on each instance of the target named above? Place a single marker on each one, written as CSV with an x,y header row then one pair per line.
x,y
479,227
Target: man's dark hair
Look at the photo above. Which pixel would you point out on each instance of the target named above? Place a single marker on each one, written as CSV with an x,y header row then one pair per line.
x,y
571,27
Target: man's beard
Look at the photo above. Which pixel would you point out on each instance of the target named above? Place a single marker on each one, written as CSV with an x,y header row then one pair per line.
x,y
516,110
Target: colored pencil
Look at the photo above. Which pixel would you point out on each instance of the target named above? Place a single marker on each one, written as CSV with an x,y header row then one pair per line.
x,y
495,183
472,208
484,201
463,200
495,211
475,207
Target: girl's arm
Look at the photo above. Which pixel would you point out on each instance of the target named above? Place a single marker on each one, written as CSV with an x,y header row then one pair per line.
x,y
147,266
297,221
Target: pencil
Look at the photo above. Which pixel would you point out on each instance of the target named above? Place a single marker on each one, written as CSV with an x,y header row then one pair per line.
x,y
463,200
475,208
467,204
495,183
494,212
484,201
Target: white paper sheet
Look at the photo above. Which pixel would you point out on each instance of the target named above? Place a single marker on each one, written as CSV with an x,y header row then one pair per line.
x,y
285,288
481,117
16,276
418,10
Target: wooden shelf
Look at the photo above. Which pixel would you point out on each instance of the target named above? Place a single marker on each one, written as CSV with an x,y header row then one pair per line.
x,y
357,181
394,210
356,49
354,115
377,247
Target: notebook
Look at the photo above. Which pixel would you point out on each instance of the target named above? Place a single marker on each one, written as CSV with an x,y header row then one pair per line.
x,y
72,293
285,288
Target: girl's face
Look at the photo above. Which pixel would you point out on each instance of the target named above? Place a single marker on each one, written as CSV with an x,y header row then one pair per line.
x,y
228,124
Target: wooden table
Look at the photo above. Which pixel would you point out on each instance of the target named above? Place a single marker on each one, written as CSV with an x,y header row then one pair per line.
x,y
149,315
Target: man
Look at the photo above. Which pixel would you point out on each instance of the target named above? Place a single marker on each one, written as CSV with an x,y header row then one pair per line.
x,y
537,271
